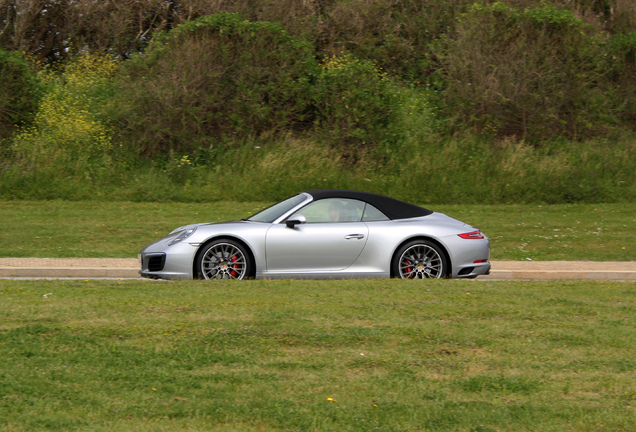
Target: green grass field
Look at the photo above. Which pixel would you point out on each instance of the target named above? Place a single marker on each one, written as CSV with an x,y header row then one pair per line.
x,y
383,355
595,232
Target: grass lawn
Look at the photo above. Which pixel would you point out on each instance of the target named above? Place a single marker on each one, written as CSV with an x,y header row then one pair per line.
x,y
358,355
594,232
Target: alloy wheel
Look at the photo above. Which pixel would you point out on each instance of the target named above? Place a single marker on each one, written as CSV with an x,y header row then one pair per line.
x,y
224,261
420,261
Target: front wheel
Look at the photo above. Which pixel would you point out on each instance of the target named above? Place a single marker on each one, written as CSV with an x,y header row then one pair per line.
x,y
419,259
222,259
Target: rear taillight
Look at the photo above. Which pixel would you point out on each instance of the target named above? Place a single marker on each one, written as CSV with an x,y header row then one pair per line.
x,y
472,235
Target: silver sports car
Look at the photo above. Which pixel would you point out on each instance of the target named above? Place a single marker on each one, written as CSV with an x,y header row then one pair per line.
x,y
323,233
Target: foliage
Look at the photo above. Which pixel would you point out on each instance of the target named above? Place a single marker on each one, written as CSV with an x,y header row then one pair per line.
x,y
20,90
68,137
533,74
355,103
51,30
621,67
531,100
214,78
623,50
393,35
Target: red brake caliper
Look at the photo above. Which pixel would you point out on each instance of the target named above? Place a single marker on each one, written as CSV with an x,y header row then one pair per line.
x,y
234,266
407,271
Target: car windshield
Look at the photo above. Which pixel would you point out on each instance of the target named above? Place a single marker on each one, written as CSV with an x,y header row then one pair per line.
x,y
272,213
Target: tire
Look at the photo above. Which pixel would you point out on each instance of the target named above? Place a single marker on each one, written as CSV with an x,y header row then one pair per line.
x,y
419,259
223,259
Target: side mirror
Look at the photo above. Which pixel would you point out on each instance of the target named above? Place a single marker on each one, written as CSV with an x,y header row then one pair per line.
x,y
294,220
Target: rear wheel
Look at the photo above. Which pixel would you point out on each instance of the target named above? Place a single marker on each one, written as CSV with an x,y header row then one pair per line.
x,y
223,259
419,259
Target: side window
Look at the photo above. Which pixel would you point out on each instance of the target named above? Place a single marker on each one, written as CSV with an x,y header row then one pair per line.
x,y
333,210
372,214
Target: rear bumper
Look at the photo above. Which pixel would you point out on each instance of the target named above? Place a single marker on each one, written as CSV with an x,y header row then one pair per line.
x,y
472,271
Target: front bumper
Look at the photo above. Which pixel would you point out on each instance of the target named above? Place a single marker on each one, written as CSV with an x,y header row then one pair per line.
x,y
159,261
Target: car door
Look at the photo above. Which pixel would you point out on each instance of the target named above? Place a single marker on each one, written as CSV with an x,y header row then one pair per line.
x,y
326,242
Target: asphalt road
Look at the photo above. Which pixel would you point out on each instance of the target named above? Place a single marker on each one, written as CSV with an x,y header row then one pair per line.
x,y
91,268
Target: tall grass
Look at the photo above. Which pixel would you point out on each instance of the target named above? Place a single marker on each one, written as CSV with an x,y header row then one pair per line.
x,y
475,171
461,171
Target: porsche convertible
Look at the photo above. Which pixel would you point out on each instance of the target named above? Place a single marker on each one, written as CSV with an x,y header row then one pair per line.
x,y
324,233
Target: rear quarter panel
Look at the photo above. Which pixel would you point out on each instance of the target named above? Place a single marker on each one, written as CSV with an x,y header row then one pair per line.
x,y
386,236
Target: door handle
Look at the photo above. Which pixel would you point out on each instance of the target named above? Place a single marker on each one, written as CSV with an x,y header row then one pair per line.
x,y
354,236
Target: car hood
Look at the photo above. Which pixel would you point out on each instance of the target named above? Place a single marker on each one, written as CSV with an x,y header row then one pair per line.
x,y
203,224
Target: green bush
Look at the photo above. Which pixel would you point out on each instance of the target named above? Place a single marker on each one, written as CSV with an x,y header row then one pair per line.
x,y
214,79
533,74
394,35
20,90
70,136
355,104
621,70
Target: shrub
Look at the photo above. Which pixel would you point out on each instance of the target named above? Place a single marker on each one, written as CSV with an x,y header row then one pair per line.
x,y
215,78
621,70
395,35
20,90
69,135
532,74
355,104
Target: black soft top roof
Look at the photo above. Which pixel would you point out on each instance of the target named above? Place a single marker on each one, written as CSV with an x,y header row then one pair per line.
x,y
392,208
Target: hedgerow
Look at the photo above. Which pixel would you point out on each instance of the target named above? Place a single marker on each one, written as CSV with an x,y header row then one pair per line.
x,y
529,100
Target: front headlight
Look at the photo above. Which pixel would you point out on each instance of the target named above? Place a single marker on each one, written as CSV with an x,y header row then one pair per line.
x,y
182,236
